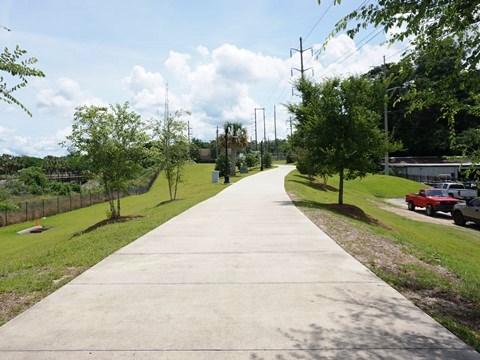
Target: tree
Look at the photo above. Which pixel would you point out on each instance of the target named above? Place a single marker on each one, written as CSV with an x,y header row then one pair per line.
x,y
237,138
173,149
426,20
338,122
112,139
12,64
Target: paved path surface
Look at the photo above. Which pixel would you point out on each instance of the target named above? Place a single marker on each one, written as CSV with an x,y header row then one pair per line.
x,y
244,275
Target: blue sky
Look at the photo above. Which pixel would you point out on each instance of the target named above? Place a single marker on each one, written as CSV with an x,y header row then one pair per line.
x,y
221,59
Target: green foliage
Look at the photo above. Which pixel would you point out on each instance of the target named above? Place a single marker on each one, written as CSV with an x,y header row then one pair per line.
x,y
194,152
252,159
12,64
338,128
290,158
426,20
34,178
237,138
172,149
220,164
59,188
112,139
267,160
307,164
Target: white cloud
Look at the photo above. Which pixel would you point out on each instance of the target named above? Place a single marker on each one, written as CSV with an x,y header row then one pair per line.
x,y
202,50
343,57
63,99
140,79
39,146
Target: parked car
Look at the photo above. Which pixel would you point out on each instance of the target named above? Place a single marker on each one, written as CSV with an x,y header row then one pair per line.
x,y
432,200
469,211
458,190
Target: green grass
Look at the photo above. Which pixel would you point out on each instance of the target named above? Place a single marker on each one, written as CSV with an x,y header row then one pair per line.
x,y
34,265
454,248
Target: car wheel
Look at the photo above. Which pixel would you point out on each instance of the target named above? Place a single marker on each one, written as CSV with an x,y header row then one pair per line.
x,y
430,211
411,206
458,218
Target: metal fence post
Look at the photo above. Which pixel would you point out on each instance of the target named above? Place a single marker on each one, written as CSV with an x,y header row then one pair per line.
x,y
26,210
43,208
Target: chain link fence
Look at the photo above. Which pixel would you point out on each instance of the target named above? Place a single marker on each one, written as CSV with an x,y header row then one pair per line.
x,y
37,209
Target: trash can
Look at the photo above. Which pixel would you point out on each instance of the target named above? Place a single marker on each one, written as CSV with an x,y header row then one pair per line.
x,y
243,169
215,176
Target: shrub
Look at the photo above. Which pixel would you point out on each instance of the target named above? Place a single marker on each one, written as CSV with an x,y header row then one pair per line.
x,y
252,159
290,157
267,160
220,164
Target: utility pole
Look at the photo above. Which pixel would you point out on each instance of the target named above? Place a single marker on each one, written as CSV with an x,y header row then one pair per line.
x,y
216,145
291,126
261,147
264,128
189,133
301,51
166,100
385,114
275,127
256,140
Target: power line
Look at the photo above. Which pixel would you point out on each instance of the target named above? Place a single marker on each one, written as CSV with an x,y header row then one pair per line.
x,y
320,19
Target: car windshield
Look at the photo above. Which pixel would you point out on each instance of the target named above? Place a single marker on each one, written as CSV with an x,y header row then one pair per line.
x,y
435,192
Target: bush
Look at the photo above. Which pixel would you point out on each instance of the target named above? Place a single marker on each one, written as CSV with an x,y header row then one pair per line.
x,y
194,152
267,160
290,158
240,162
58,188
252,159
33,176
220,163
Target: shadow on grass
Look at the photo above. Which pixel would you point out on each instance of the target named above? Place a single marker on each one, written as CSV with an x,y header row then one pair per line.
x,y
347,210
314,185
167,202
120,219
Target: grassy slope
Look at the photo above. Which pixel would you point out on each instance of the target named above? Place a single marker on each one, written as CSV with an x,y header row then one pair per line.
x,y
454,248
34,265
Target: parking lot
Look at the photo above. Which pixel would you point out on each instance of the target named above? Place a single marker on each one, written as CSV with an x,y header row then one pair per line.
x,y
399,206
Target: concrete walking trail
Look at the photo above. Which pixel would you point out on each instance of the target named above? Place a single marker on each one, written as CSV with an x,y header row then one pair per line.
x,y
243,275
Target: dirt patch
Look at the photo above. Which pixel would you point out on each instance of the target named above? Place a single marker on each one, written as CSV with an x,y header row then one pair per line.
x,y
383,255
120,219
447,303
11,304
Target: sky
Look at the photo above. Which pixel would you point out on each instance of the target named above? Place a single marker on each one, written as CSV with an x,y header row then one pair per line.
x,y
221,59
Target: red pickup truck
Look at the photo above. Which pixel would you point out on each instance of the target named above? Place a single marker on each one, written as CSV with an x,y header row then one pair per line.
x,y
432,200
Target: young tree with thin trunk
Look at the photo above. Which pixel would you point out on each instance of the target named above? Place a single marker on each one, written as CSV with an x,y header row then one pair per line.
x,y
112,140
172,149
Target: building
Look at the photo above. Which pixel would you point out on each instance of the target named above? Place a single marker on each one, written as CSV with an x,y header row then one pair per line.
x,y
431,169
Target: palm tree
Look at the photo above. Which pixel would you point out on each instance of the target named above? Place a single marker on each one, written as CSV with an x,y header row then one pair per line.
x,y
237,138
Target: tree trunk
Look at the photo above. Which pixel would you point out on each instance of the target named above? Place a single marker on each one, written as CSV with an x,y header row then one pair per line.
x,y
340,187
234,161
118,204
177,179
